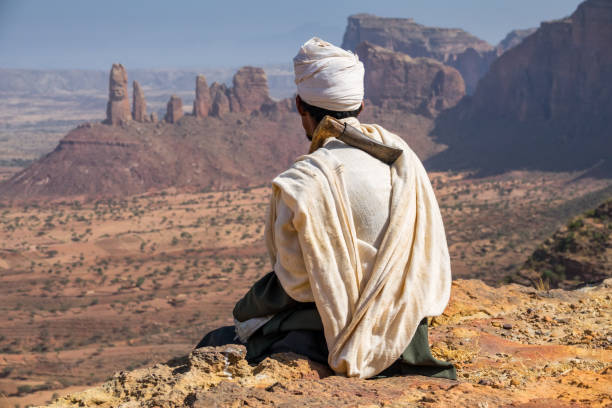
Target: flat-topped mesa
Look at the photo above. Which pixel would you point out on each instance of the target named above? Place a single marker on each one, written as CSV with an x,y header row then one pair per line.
x,y
404,35
118,106
202,102
470,55
394,80
139,104
174,110
249,91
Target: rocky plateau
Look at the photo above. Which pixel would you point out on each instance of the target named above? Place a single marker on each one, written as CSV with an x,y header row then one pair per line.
x,y
513,346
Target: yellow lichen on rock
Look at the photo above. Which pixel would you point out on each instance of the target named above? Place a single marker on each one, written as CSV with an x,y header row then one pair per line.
x,y
511,345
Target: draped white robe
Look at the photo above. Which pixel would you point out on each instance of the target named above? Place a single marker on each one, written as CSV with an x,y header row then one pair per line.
x,y
371,293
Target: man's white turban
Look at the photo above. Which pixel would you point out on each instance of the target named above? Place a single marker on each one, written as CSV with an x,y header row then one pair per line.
x,y
328,76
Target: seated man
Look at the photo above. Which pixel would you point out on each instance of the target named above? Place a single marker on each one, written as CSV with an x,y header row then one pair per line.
x,y
358,246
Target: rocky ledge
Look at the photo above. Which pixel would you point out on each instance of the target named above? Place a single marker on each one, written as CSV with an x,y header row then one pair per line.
x,y
513,346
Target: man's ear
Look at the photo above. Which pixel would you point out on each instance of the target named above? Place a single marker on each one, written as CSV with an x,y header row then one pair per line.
x,y
299,106
361,107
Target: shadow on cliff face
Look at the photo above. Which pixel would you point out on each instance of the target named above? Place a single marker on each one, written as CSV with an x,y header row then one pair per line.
x,y
489,143
543,105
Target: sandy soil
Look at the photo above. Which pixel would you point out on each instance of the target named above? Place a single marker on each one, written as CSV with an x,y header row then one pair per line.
x,y
87,289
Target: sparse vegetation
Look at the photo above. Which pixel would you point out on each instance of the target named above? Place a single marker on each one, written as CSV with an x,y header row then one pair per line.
x,y
131,256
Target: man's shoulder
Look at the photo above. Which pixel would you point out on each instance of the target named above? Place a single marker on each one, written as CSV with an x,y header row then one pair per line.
x,y
308,173
311,164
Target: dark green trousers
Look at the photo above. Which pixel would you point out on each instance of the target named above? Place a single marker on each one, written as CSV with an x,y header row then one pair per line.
x,y
297,327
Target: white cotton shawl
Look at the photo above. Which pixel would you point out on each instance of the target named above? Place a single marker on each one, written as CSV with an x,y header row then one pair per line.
x,y
368,319
328,76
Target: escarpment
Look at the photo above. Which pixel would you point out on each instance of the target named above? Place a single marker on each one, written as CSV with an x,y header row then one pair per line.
x,y
544,104
231,139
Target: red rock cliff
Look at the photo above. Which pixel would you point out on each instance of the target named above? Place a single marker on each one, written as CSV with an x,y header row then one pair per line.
x,y
455,47
397,81
250,90
544,104
562,71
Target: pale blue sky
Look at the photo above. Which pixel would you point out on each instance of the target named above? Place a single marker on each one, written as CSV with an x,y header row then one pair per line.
x,y
196,33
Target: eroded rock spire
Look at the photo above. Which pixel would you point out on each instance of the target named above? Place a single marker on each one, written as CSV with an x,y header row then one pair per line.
x,y
202,102
118,106
139,104
174,110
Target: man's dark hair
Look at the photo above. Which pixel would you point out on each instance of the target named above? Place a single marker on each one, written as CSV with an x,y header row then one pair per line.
x,y
319,113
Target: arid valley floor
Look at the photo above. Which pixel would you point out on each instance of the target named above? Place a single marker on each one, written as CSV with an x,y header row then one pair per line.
x,y
132,220
90,288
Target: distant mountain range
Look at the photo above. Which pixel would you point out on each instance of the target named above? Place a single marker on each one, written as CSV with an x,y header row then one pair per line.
x,y
89,88
240,138
545,103
66,81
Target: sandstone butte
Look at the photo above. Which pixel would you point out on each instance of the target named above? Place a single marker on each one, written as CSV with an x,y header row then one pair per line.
x,y
250,90
457,48
513,346
220,102
394,80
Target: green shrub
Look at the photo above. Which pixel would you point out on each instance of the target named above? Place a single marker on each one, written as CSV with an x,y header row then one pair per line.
x,y
574,225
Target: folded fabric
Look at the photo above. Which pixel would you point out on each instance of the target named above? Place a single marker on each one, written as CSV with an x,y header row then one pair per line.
x,y
370,302
245,329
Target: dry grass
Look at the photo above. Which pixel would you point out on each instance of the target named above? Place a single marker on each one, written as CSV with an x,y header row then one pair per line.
x,y
87,289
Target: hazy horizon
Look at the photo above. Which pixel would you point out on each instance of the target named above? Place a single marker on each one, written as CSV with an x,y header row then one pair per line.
x,y
72,34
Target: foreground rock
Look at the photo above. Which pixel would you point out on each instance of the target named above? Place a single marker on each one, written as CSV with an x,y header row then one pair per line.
x,y
513,346
118,106
394,80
